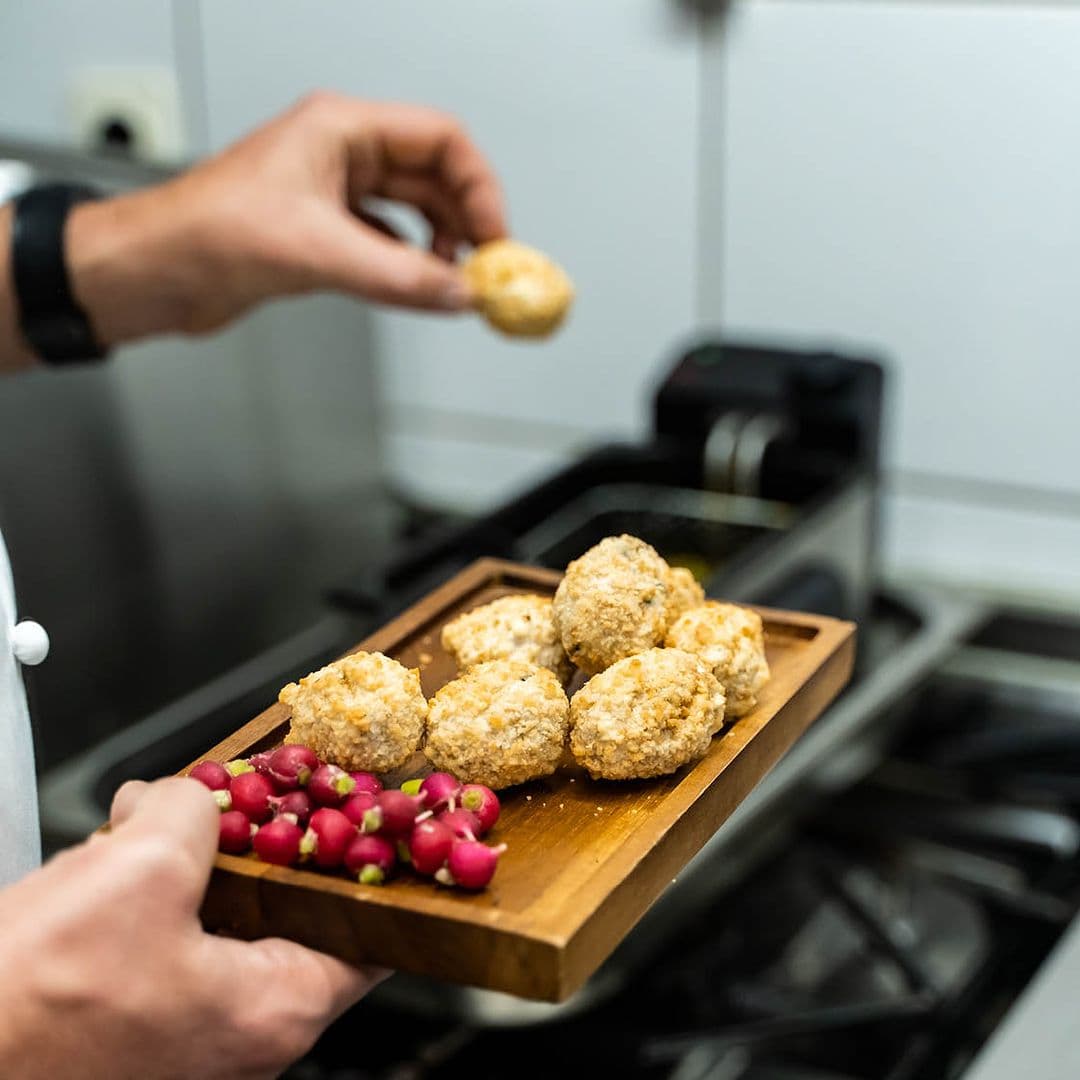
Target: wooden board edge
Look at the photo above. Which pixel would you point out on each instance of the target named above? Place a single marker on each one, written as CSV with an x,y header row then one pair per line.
x,y
834,660
590,941
472,578
242,906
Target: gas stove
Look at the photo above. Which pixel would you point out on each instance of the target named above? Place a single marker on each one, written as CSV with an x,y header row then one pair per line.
x,y
879,930
874,907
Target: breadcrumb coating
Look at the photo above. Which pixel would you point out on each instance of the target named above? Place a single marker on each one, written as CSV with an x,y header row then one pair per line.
x,y
501,723
646,715
612,602
520,290
684,592
518,627
362,712
731,640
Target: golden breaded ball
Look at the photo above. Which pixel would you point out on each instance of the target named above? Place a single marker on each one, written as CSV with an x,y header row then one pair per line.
x,y
685,592
510,628
731,640
645,716
519,290
501,723
362,712
612,602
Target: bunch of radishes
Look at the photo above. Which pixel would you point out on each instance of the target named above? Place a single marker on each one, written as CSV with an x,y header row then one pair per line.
x,y
293,808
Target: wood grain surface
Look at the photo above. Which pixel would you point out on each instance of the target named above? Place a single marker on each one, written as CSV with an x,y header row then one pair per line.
x,y
585,858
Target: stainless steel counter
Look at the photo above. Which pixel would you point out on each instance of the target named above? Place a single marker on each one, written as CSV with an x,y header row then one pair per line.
x,y
1038,1037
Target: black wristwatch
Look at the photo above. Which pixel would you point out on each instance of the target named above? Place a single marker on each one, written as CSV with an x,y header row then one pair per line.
x,y
50,318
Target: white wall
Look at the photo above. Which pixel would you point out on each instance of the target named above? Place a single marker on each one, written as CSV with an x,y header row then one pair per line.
x,y
899,175
590,113
906,174
43,43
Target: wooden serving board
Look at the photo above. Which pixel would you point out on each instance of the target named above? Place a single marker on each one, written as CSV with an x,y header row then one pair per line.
x,y
585,858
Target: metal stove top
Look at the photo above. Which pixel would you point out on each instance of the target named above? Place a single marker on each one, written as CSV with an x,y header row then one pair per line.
x,y
875,923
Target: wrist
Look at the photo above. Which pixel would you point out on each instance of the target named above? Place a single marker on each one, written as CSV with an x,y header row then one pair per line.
x,y
128,266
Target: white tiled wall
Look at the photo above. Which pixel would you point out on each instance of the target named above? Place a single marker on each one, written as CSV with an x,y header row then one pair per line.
x,y
906,174
890,174
44,43
590,113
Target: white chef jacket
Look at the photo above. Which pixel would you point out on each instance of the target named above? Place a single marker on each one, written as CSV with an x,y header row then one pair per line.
x,y
20,833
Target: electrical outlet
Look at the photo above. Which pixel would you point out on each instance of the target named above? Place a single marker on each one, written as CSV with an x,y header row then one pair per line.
x,y
131,111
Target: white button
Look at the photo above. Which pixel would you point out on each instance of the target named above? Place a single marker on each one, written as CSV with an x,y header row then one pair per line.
x,y
29,642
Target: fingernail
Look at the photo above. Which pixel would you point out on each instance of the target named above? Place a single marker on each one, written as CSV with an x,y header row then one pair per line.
x,y
457,296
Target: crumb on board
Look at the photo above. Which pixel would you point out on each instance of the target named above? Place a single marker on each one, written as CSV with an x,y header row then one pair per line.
x,y
425,658
561,805
528,798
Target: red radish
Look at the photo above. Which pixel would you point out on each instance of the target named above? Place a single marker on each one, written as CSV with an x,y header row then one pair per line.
x,y
329,785
261,762
211,773
223,800
465,824
393,814
278,842
238,767
366,781
234,833
470,865
291,766
430,844
440,789
371,858
357,805
327,837
251,793
483,802
295,803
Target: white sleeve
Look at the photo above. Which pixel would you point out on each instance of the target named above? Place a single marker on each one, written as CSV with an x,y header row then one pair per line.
x,y
20,833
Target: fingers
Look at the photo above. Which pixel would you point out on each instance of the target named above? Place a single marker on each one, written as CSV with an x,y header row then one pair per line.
x,y
309,987
411,139
330,984
358,260
379,224
125,800
448,230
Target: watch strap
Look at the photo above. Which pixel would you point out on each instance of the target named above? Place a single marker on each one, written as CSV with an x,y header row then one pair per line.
x,y
50,318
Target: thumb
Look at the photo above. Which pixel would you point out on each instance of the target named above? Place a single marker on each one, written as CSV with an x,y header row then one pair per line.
x,y
125,800
364,262
177,811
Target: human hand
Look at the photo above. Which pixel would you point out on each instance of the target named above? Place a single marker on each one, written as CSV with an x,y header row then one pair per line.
x,y
280,213
106,971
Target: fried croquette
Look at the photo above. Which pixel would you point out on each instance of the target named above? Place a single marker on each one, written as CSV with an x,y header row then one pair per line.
x,y
646,715
612,603
501,723
731,640
519,627
362,712
684,592
519,290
